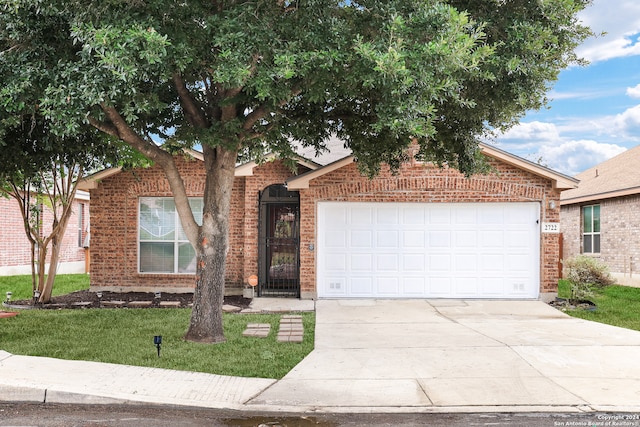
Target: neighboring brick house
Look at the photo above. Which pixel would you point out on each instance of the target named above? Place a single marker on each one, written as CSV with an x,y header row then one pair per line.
x,y
15,249
329,232
601,218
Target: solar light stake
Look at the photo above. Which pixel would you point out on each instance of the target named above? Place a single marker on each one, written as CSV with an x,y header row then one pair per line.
x,y
9,296
36,296
157,340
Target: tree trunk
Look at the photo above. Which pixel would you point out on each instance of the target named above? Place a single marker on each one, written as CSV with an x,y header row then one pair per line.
x,y
213,243
47,286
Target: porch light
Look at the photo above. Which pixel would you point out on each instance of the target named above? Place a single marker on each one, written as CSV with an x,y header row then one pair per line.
x,y
157,340
552,204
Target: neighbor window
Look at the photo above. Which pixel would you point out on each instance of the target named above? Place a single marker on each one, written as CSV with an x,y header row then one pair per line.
x,y
164,247
80,224
591,229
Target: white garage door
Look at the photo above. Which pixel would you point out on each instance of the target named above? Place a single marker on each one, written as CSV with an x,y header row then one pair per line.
x,y
428,250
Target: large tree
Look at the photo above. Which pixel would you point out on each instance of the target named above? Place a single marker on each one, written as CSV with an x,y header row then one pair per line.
x,y
241,78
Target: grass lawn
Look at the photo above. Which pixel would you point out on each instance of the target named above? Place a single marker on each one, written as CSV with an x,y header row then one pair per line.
x,y
125,336
616,305
21,287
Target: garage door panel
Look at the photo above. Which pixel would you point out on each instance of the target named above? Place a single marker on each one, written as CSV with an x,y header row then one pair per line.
x,y
388,239
336,239
415,286
387,215
361,216
413,239
361,239
414,263
336,263
466,287
492,262
361,286
362,262
440,214
439,262
388,262
413,216
440,239
492,286
428,250
465,239
491,238
465,263
387,286
441,287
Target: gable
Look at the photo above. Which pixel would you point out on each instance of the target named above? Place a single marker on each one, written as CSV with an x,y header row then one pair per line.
x,y
559,181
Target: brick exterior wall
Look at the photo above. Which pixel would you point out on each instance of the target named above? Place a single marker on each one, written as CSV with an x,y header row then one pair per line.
x,y
15,249
619,243
114,215
114,229
421,183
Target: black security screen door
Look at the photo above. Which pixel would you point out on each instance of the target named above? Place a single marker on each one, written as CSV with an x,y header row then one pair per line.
x,y
279,243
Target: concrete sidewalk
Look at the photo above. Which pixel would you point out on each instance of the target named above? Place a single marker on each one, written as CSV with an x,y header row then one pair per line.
x,y
387,356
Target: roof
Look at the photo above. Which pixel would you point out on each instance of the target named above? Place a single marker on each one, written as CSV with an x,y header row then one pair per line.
x,y
337,156
245,169
616,177
560,181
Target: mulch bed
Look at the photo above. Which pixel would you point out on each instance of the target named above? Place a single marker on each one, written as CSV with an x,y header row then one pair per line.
x,y
73,299
569,304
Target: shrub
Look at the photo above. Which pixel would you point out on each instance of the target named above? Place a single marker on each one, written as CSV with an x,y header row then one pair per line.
x,y
584,273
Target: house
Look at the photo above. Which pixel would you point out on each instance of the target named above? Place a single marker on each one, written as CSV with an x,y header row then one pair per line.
x,y
15,249
328,232
601,218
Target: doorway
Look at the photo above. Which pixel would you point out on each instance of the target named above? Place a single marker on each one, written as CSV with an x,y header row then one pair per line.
x,y
279,242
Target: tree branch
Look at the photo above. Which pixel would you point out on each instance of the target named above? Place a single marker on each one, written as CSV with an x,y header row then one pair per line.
x,y
263,110
194,114
166,161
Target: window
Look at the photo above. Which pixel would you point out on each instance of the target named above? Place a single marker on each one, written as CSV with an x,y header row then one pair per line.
x,y
164,247
591,229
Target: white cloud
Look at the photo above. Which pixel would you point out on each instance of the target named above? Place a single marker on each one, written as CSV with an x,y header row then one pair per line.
x,y
533,130
542,142
573,157
628,122
634,92
620,20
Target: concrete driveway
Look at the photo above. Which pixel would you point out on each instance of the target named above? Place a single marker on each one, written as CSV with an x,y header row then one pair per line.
x,y
441,355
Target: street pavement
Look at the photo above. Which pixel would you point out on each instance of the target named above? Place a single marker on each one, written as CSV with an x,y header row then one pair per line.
x,y
390,356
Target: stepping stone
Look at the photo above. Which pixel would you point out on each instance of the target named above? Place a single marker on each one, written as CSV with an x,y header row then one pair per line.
x,y
257,330
83,304
4,314
169,304
291,329
228,308
113,303
139,304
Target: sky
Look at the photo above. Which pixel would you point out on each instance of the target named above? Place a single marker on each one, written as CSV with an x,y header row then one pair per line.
x,y
594,113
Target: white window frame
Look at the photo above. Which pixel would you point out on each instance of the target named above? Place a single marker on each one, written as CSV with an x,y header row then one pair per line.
x,y
176,240
591,234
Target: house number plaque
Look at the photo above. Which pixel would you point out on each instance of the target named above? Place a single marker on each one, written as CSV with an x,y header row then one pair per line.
x,y
551,227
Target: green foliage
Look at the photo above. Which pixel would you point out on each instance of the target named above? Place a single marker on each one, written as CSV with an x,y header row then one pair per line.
x,y
617,305
583,273
377,73
125,336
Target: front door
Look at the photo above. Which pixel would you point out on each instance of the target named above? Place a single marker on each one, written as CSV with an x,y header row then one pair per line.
x,y
279,252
